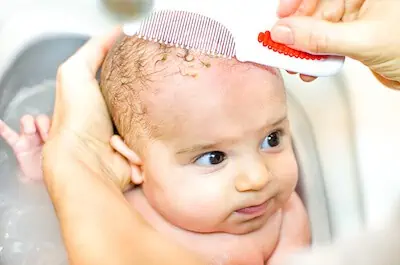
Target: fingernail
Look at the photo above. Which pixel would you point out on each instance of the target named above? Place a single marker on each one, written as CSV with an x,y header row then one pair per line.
x,y
282,34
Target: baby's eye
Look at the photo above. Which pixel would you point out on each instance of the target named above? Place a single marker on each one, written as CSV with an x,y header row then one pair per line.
x,y
212,158
272,140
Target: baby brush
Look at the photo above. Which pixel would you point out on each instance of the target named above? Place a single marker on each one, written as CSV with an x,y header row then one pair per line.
x,y
229,28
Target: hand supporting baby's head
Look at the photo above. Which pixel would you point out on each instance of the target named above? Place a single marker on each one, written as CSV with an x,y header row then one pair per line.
x,y
210,136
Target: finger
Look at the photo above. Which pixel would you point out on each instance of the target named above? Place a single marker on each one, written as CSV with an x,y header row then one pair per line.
x,y
332,10
90,56
27,125
80,71
306,8
287,7
307,78
8,134
28,134
318,36
352,8
43,126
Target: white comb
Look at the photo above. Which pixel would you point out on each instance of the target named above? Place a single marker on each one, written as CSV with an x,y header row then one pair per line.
x,y
233,28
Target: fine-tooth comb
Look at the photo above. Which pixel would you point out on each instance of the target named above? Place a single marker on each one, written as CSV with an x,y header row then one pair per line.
x,y
231,29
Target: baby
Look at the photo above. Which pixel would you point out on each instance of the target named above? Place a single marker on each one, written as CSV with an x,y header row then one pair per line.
x,y
209,144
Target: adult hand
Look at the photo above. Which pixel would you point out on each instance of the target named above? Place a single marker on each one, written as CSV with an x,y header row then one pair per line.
x,y
81,124
365,30
98,225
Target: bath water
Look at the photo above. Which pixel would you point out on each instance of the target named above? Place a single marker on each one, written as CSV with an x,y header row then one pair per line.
x,y
29,231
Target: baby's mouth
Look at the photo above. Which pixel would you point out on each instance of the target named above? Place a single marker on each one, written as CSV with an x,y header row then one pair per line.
x,y
255,210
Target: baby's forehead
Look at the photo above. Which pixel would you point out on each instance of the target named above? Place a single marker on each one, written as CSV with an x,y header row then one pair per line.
x,y
193,91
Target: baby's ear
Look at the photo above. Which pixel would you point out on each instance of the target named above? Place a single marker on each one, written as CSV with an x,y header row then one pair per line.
x,y
134,160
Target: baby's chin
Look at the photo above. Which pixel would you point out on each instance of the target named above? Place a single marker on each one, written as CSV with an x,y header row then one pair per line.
x,y
245,228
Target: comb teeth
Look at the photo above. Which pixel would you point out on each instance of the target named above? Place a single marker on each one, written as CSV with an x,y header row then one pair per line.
x,y
188,30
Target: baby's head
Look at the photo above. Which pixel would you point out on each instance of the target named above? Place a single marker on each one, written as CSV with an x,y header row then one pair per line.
x,y
211,134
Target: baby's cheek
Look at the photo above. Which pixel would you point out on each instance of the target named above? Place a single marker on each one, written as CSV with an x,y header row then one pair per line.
x,y
187,200
287,171
201,202
196,209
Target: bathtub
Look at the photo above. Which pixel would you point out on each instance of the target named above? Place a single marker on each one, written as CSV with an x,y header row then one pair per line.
x,y
323,126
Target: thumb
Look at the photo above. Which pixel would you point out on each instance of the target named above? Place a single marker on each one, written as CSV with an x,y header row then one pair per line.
x,y
319,36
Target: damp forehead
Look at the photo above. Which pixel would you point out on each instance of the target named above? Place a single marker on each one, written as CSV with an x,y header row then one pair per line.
x,y
228,94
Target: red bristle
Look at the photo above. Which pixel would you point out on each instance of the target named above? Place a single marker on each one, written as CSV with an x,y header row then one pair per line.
x,y
261,37
265,39
266,42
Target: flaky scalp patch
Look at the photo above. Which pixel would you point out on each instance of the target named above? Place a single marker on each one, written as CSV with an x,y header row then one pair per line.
x,y
129,72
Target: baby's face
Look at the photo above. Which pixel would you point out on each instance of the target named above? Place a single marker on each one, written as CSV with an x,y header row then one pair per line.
x,y
223,158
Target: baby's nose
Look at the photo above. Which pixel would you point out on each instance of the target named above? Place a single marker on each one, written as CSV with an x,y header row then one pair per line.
x,y
253,179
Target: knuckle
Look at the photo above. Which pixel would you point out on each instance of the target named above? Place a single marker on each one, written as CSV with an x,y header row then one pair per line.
x,y
317,42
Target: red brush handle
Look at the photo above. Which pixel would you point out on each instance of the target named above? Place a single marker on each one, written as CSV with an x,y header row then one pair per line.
x,y
265,39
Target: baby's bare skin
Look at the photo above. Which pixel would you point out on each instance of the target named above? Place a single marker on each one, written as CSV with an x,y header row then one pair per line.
x,y
27,146
284,231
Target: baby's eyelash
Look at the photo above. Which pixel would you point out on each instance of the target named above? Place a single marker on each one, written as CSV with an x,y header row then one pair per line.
x,y
205,153
280,130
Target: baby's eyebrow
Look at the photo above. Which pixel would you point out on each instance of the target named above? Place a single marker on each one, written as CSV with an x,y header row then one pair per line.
x,y
198,148
276,122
